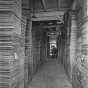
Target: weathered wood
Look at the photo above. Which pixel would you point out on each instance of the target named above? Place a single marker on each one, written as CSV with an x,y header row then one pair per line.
x,y
58,4
44,4
49,26
28,52
48,18
80,71
54,13
11,45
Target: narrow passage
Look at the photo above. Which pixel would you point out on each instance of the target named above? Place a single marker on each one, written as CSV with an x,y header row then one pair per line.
x,y
50,75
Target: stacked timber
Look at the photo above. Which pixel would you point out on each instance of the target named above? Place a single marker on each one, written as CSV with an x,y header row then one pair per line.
x,y
11,51
11,6
73,53
81,69
84,44
21,52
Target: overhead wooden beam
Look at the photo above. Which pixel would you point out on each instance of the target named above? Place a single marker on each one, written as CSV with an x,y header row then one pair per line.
x,y
51,13
50,10
44,27
46,18
43,16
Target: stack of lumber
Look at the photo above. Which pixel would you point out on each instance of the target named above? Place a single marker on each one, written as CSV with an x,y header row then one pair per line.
x,y
11,54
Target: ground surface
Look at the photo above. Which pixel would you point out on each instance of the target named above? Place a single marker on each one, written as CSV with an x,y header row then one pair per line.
x,y
50,75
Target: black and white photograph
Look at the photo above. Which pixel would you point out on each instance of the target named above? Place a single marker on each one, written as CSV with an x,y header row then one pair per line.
x,y
43,43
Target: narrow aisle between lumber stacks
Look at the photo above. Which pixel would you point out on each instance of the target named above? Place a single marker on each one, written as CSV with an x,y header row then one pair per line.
x,y
50,75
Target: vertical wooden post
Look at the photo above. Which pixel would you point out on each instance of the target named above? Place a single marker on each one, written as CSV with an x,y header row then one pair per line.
x,y
73,39
28,68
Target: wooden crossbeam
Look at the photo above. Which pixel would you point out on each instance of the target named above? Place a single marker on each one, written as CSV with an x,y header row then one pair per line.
x,y
43,16
51,26
51,13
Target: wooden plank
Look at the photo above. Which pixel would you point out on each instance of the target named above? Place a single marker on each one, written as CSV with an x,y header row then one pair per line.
x,y
58,3
51,26
48,18
42,16
46,14
74,5
43,3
